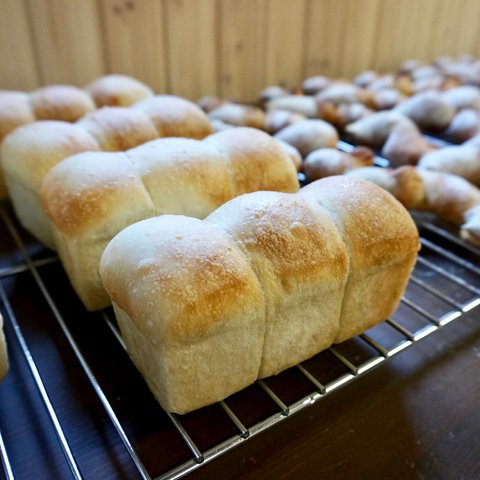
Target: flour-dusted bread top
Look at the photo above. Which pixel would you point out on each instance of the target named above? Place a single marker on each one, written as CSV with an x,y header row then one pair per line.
x,y
30,151
60,102
117,90
119,128
309,135
15,110
179,279
375,226
256,161
176,117
97,192
183,175
302,264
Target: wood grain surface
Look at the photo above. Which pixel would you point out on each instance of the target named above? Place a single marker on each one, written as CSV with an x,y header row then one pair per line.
x,y
231,48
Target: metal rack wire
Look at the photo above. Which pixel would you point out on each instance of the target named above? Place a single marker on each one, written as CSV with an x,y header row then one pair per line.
x,y
447,273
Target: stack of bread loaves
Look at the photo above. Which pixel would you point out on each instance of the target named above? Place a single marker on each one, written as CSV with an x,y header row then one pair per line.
x,y
268,279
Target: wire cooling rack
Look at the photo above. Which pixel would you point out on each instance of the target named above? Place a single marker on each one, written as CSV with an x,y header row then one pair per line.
x,y
73,405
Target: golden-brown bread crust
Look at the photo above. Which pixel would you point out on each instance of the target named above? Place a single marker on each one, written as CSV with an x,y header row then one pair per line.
x,y
119,128
15,110
176,117
182,176
255,161
74,207
175,253
117,90
60,102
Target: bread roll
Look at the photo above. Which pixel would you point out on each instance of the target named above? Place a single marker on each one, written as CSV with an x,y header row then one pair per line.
x,y
272,278
326,162
15,110
3,352
301,104
117,90
92,196
374,129
175,117
309,135
443,194
428,110
60,102
239,115
29,152
461,160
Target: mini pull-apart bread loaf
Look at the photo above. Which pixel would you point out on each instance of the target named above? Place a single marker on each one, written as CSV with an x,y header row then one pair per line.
x,y
29,152
269,279
91,196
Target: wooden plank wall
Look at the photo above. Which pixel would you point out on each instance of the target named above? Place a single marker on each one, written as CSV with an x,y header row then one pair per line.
x,y
231,48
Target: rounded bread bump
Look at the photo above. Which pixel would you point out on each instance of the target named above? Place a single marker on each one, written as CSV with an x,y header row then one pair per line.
x,y
256,160
378,227
117,90
86,191
15,110
308,135
30,151
60,102
178,278
119,128
183,175
176,117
